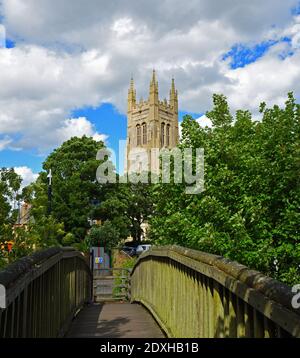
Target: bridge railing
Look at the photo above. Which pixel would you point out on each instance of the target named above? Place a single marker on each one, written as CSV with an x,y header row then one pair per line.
x,y
111,284
195,294
41,293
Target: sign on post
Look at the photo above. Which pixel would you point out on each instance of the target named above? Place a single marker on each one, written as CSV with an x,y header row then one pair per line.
x,y
99,260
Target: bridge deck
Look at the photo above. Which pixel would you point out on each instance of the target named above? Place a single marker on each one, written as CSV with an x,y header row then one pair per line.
x,y
114,320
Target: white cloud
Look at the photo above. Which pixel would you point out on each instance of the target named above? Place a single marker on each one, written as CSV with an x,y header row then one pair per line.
x,y
204,121
123,26
76,22
100,137
268,79
78,127
70,54
40,89
27,175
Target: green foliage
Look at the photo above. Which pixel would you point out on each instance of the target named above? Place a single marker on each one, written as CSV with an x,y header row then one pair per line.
x,y
47,232
10,183
127,264
249,211
105,235
81,246
69,239
127,207
139,208
74,186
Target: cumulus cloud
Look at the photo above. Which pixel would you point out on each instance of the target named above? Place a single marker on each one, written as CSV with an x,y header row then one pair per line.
x,y
77,22
78,127
71,54
204,121
27,175
39,90
268,79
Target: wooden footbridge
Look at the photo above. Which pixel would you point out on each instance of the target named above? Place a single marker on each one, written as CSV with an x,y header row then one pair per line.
x,y
174,292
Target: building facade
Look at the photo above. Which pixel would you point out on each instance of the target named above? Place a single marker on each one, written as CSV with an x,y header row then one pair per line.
x,y
151,126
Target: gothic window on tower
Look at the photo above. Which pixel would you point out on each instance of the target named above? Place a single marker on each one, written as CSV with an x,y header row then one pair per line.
x,y
138,135
162,133
144,133
168,135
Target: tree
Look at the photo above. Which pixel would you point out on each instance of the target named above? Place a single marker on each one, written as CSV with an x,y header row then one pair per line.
x,y
10,183
105,235
139,209
248,211
45,230
74,184
127,207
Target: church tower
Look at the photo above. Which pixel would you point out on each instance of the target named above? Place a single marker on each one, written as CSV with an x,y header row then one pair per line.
x,y
151,125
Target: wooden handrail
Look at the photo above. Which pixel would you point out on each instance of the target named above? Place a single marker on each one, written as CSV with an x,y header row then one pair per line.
x,y
196,294
43,292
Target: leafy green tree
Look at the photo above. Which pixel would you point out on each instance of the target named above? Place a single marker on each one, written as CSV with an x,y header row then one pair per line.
x,y
127,207
10,183
105,235
249,210
74,184
45,230
139,208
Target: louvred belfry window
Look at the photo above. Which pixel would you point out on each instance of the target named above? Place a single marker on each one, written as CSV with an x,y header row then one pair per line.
x,y
168,135
144,133
162,133
138,135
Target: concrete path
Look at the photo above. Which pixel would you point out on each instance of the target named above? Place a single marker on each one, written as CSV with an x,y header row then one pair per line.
x,y
114,320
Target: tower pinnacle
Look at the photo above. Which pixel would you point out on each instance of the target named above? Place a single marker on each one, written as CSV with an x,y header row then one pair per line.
x,y
173,85
131,95
154,83
153,76
132,84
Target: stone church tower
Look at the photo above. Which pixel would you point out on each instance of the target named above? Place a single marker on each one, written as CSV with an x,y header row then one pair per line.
x,y
151,126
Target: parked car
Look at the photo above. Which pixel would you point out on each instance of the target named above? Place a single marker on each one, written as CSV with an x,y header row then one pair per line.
x,y
131,251
142,248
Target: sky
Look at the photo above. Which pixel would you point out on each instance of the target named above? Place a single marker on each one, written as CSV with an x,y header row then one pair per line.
x,y
65,65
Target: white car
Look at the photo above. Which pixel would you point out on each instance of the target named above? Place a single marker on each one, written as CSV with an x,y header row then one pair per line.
x,y
142,248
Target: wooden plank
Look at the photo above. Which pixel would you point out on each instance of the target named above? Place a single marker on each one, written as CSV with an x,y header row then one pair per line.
x,y
258,325
226,312
114,320
218,311
232,315
241,327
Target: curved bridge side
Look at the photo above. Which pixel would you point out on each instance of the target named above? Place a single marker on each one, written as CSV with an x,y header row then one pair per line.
x,y
43,292
195,294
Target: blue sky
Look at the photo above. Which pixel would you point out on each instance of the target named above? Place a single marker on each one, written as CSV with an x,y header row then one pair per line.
x,y
106,119
66,65
241,55
9,43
